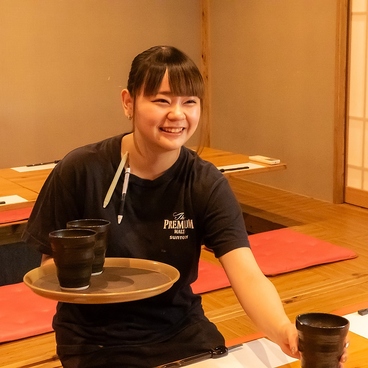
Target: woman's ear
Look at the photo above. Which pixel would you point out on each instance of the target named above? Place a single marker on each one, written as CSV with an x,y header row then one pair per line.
x,y
127,102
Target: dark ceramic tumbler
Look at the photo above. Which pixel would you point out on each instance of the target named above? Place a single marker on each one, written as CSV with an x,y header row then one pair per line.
x,y
321,339
101,227
73,252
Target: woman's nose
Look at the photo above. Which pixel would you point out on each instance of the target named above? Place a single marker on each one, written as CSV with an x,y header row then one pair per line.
x,y
176,113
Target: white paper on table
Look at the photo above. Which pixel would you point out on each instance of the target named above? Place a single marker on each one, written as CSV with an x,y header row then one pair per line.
x,y
261,353
358,324
34,168
233,167
12,199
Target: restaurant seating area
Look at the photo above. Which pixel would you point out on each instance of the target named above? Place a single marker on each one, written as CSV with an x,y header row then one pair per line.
x,y
286,79
327,288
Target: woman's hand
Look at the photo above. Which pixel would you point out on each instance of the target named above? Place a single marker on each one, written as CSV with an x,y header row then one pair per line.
x,y
344,356
288,340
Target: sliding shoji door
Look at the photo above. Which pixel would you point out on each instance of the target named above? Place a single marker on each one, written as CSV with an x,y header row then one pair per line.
x,y
356,189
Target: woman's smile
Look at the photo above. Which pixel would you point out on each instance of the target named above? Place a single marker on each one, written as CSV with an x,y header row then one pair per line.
x,y
172,130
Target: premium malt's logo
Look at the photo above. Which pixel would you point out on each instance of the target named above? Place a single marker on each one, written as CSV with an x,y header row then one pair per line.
x,y
178,224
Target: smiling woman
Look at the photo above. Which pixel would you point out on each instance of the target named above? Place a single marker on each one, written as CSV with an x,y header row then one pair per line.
x,y
163,123
176,202
164,97
149,67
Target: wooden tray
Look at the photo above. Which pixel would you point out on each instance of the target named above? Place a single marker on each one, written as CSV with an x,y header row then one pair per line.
x,y
123,280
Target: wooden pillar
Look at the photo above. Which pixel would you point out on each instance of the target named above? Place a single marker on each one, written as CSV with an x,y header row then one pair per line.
x,y
206,118
342,25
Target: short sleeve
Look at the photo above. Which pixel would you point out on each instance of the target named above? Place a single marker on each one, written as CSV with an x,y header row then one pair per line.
x,y
223,221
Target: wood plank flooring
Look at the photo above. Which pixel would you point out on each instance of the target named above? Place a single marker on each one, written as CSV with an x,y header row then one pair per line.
x,y
322,288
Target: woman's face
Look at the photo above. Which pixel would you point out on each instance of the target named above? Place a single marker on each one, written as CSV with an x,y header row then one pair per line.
x,y
165,122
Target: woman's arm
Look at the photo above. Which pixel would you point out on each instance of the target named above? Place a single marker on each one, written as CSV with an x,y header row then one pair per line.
x,y
260,299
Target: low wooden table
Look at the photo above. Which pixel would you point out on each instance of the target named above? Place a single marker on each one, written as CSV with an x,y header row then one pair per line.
x,y
224,158
28,184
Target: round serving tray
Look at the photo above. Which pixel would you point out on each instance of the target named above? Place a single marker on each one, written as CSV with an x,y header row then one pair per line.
x,y
123,280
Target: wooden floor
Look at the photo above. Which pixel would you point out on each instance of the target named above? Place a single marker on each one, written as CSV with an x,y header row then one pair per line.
x,y
323,288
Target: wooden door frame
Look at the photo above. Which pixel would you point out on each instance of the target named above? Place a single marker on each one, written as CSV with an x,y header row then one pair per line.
x,y
340,113
205,69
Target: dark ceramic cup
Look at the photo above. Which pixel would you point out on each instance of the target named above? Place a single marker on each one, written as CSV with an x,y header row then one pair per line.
x,y
101,227
73,253
321,339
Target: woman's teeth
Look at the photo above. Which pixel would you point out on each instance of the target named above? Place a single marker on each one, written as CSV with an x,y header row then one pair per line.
x,y
172,130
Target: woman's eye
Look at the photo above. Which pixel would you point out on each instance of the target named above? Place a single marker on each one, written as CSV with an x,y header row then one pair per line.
x,y
160,100
191,102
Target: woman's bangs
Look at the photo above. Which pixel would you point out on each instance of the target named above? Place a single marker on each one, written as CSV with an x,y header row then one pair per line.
x,y
153,80
185,81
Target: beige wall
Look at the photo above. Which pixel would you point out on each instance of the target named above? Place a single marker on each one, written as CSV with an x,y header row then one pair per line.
x,y
272,73
63,64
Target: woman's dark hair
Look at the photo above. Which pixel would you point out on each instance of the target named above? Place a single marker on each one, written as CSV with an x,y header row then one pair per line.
x,y
149,67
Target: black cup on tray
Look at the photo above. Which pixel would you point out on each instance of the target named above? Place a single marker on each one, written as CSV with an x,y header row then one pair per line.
x,y
101,227
73,253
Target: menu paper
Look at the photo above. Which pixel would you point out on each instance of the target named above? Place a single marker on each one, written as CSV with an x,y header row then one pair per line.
x,y
358,324
261,353
12,199
34,168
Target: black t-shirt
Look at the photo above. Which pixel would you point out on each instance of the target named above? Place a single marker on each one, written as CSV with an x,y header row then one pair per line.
x,y
166,219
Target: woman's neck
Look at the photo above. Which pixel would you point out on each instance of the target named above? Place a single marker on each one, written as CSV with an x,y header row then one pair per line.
x,y
145,163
